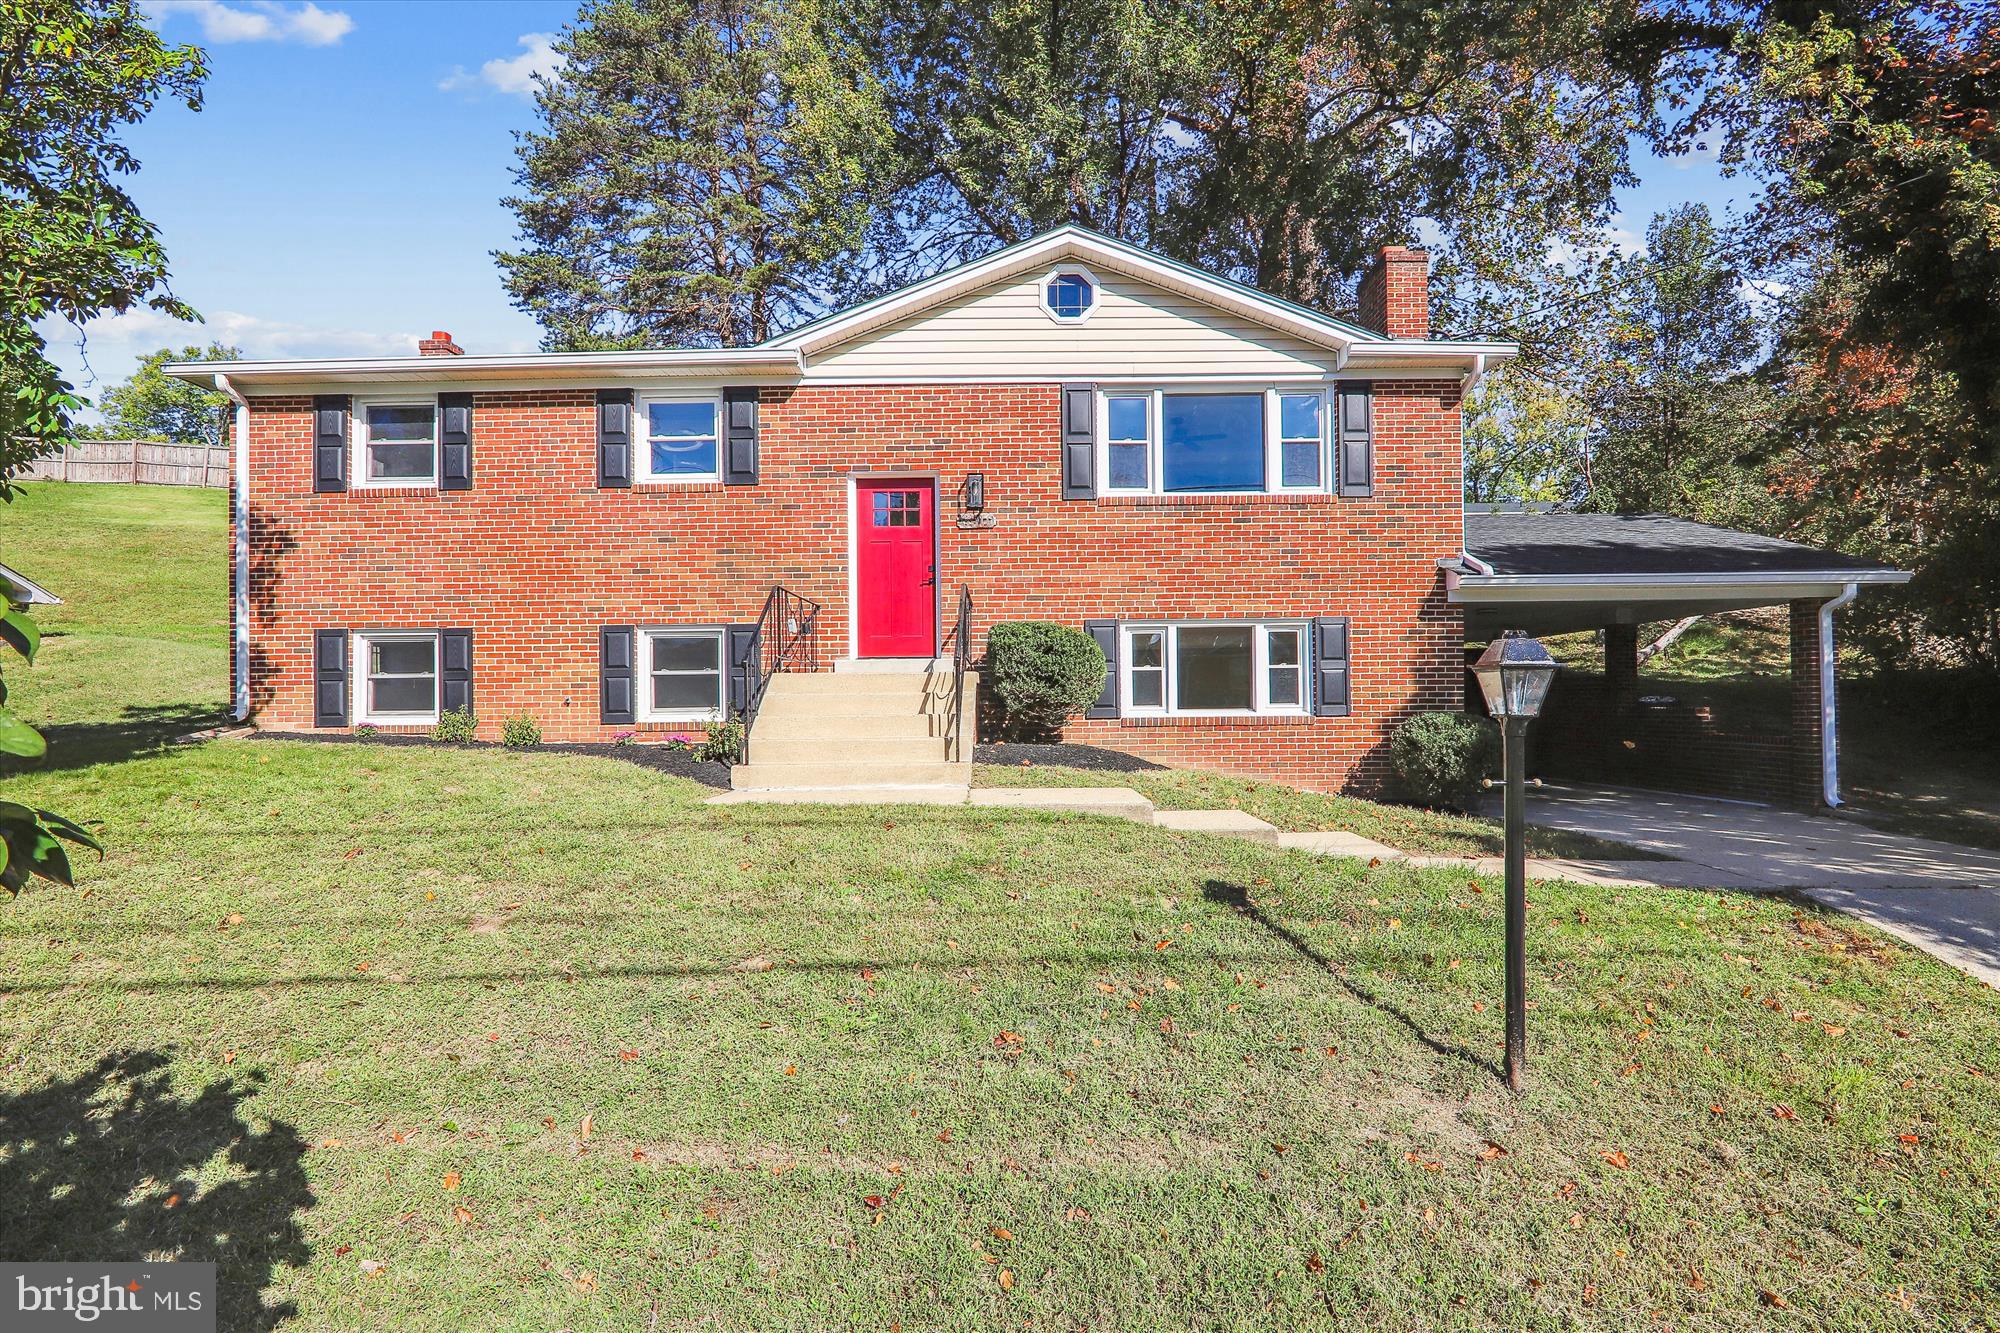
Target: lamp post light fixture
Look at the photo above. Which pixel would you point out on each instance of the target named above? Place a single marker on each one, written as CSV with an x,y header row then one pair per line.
x,y
1514,674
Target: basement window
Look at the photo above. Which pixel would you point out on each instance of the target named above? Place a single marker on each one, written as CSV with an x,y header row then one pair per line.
x,y
685,680
399,679
1212,668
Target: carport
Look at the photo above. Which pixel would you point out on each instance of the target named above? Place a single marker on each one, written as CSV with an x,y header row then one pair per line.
x,y
1547,572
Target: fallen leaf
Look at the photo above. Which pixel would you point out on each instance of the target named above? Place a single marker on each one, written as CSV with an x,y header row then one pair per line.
x,y
756,964
586,1283
1002,1233
462,1215
373,1267
589,1122
1715,1110
1907,1138
331,1143
875,1201
229,1057
1315,1264
1491,1151
173,1201
1774,1300
1783,1112
1617,1159
791,1071
1833,1029
1006,1280
1107,988
450,1181
1479,1006
510,907
1576,1219
628,1055
361,967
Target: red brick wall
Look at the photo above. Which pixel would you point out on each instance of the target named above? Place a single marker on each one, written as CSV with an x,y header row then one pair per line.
x,y
1395,293
535,557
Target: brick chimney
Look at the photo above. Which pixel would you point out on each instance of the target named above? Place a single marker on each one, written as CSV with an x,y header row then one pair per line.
x,y
1396,293
438,344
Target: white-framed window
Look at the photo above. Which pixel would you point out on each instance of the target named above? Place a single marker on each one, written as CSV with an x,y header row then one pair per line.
x,y
1213,668
1225,440
685,675
396,678
680,437
396,442
1069,294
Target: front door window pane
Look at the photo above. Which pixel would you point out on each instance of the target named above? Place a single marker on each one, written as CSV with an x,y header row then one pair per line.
x,y
1212,668
1212,441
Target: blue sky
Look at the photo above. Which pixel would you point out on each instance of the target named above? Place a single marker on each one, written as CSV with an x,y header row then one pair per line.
x,y
339,193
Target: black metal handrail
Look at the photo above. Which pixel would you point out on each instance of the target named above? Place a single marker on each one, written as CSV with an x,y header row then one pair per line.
x,y
786,639
961,662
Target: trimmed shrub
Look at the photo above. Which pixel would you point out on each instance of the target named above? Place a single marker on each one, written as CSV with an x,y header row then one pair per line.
x,y
456,725
1042,673
722,744
1439,758
521,732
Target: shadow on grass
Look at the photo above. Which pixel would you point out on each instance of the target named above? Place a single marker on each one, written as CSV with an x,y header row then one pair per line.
x,y
136,733
109,1167
1237,899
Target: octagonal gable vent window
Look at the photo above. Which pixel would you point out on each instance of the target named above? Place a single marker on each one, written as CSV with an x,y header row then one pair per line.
x,y
1069,295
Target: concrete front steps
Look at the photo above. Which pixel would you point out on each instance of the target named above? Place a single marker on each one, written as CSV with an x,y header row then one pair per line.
x,y
865,729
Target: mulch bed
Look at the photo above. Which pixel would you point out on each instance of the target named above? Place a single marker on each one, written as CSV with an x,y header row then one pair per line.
x,y
658,758
1013,755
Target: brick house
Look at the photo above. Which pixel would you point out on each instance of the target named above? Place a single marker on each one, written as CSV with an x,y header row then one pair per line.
x,y
1246,502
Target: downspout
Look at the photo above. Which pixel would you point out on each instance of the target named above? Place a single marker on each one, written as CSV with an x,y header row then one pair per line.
x,y
239,523
1829,733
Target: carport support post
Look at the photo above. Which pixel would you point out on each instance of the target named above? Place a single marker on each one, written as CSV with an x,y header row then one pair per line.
x,y
1514,737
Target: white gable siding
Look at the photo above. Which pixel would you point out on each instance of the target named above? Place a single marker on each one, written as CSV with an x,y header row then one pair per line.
x,y
1001,332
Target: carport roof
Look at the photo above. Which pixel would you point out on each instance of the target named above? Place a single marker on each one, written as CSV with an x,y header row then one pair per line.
x,y
1516,542
1547,572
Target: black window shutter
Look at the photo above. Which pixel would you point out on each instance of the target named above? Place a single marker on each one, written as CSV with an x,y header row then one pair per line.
x,y
739,432
1079,441
330,678
455,670
617,651
745,650
330,430
614,438
454,441
1354,423
1330,666
1106,634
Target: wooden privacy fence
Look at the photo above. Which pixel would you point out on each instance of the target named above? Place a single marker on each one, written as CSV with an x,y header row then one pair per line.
x,y
134,462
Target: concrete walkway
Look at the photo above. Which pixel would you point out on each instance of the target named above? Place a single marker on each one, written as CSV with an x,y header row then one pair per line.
x,y
1938,896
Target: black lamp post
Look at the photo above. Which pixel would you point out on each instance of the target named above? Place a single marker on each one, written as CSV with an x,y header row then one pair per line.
x,y
1514,674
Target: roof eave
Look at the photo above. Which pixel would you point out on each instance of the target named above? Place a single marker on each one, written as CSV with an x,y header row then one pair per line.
x,y
583,367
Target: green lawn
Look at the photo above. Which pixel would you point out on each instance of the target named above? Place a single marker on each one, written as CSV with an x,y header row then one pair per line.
x,y
139,651
435,1039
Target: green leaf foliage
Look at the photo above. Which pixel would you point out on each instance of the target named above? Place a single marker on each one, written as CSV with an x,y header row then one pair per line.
x,y
1042,673
20,634
1440,758
19,739
147,405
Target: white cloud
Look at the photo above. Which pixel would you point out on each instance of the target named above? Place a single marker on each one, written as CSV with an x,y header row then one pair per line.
x,y
514,74
258,21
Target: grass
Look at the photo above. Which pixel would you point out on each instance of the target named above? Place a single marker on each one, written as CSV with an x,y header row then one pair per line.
x,y
428,1039
139,651
1428,832
666,1053
1900,769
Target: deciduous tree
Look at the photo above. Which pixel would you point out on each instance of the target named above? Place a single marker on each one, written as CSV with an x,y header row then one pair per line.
x,y
148,405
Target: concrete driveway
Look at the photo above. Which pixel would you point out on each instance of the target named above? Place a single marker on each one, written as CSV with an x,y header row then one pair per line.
x,y
1941,897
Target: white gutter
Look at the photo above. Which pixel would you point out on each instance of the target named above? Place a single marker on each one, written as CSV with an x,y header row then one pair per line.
x,y
1829,730
573,365
1586,582
239,522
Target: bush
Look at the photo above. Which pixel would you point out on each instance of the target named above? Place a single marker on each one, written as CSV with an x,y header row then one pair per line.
x,y
722,744
458,724
521,732
1042,673
1439,758
365,732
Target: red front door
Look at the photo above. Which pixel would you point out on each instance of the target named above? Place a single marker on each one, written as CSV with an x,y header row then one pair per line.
x,y
895,575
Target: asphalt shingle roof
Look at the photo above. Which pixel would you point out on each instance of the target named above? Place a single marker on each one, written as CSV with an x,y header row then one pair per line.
x,y
1595,544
